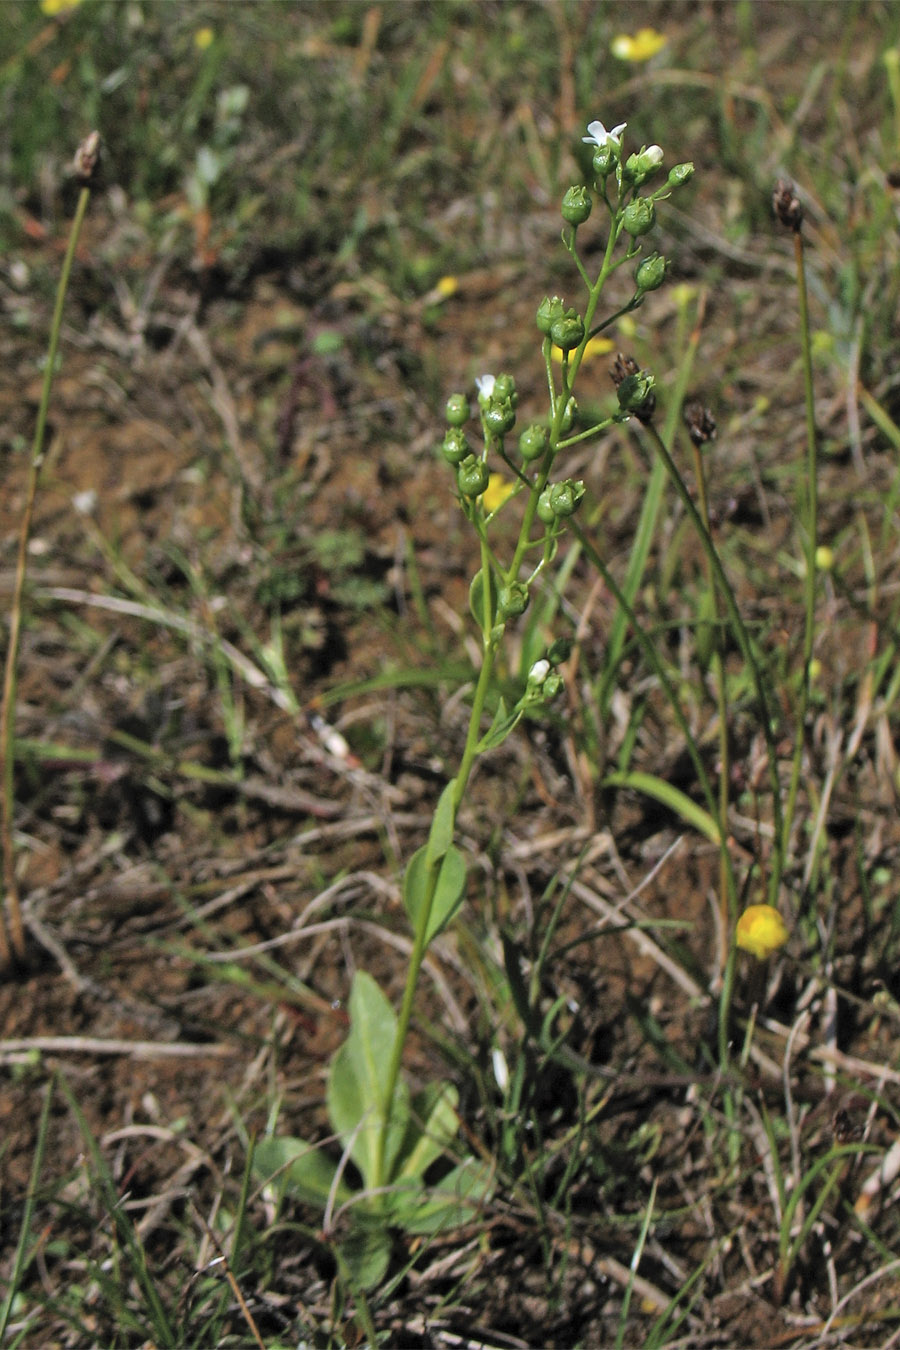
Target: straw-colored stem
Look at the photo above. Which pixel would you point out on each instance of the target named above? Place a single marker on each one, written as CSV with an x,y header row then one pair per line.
x,y
810,524
12,930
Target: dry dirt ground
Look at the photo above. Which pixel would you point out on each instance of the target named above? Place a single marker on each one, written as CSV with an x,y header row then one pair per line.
x,y
199,453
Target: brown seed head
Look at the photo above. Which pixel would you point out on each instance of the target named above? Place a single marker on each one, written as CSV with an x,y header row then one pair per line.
x,y
786,205
87,159
700,423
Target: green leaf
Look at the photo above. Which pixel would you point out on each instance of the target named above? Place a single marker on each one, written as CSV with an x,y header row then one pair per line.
x,y
476,600
504,722
433,1122
448,894
366,1252
299,1169
669,796
456,1200
440,836
357,1081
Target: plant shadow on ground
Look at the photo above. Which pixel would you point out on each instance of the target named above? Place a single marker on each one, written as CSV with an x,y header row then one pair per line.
x,y
247,632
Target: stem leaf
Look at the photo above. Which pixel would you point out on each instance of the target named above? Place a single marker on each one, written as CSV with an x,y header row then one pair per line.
x,y
448,893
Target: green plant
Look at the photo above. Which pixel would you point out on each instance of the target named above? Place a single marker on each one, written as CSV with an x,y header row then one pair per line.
x,y
391,1140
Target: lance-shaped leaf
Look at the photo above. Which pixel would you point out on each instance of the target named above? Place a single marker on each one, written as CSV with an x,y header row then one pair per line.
x,y
449,889
358,1082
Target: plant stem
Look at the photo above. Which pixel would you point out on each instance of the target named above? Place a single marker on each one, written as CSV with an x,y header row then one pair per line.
x,y
12,931
811,528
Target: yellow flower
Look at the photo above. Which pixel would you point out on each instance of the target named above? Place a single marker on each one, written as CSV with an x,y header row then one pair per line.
x,y
447,286
645,43
597,346
53,7
203,38
496,492
761,931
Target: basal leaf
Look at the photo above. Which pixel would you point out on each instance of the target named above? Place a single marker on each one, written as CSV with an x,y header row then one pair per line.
x,y
433,1123
357,1081
299,1169
456,1200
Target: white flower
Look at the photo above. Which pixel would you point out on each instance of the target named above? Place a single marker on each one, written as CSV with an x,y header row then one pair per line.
x,y
485,386
539,672
652,157
599,136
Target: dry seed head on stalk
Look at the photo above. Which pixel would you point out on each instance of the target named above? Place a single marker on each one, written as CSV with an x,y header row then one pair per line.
x,y
87,159
786,205
700,423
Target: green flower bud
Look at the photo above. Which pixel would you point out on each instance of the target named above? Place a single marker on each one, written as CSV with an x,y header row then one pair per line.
x,y
560,650
567,421
457,410
505,389
639,216
545,511
454,447
576,205
533,442
680,174
605,159
641,166
559,500
552,686
513,600
499,417
635,391
472,477
565,496
548,311
567,331
651,273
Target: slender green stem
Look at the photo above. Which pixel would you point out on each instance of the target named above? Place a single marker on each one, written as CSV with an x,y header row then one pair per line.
x,y
12,931
743,640
420,941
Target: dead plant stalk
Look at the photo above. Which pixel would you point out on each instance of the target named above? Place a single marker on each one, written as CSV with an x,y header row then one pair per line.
x,y
12,930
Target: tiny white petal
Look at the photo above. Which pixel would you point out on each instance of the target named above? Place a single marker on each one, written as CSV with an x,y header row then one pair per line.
x,y
539,672
501,1071
598,135
653,155
485,385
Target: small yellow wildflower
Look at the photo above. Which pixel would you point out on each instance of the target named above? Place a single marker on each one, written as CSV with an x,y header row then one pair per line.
x,y
761,931
497,491
597,346
203,38
645,43
53,7
824,558
447,286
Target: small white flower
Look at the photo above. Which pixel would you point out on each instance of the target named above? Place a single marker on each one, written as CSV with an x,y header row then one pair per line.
x,y
485,386
599,136
85,503
539,672
653,156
